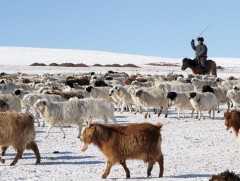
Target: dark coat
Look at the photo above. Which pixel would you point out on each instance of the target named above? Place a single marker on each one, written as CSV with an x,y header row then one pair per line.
x,y
201,50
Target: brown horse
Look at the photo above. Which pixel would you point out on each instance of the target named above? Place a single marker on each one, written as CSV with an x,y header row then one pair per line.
x,y
197,67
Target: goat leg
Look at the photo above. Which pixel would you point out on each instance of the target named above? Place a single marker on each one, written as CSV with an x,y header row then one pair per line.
x,y
123,163
107,171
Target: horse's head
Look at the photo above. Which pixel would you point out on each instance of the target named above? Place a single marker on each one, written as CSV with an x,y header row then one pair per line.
x,y
185,63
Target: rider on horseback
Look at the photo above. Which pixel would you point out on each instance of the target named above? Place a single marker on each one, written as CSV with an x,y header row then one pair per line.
x,y
201,52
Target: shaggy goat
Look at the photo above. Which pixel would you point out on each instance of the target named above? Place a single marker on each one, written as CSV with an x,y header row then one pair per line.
x,y
60,113
99,92
232,120
225,176
234,96
17,130
13,102
123,95
149,99
121,143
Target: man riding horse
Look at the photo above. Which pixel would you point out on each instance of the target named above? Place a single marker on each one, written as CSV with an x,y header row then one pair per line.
x,y
201,53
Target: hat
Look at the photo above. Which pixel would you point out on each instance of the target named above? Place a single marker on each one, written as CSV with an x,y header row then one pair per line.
x,y
200,39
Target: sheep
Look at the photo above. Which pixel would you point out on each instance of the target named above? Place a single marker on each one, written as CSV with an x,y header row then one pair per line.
x,y
17,130
13,102
99,92
219,93
120,143
225,176
29,100
4,106
232,120
123,96
181,101
203,101
147,99
175,86
198,84
60,113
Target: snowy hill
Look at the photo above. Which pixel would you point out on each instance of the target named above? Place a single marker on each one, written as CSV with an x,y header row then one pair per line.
x,y
27,56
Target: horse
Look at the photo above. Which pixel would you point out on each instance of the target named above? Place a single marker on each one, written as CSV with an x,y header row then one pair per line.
x,y
197,68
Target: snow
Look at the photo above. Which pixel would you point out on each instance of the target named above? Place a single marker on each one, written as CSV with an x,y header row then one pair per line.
x,y
193,150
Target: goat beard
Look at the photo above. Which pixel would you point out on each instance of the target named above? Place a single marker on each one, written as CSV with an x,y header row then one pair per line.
x,y
85,147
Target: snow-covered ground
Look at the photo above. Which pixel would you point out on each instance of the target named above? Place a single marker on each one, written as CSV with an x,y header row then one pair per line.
x,y
193,150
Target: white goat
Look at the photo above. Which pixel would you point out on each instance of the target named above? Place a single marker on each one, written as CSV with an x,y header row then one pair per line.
x,y
99,92
13,102
146,100
123,95
29,100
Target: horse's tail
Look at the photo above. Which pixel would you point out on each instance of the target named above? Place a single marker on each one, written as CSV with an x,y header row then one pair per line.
x,y
213,68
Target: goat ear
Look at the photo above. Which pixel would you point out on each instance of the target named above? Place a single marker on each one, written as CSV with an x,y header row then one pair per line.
x,y
89,122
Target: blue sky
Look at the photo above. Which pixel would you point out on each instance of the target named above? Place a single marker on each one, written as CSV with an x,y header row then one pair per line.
x,y
146,27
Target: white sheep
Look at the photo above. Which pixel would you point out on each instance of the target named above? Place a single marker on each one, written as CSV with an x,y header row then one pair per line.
x,y
180,100
203,102
220,93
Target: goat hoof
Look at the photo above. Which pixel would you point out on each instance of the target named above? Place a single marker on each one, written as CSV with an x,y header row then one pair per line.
x,y
2,161
104,176
218,112
166,116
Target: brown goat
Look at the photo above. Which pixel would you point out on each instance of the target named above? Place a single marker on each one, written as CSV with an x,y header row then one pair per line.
x,y
80,81
225,176
17,130
120,143
232,119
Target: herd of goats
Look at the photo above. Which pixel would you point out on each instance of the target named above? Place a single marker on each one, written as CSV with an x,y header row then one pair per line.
x,y
61,99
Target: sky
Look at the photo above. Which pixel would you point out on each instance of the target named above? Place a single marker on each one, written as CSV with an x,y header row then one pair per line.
x,y
161,28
